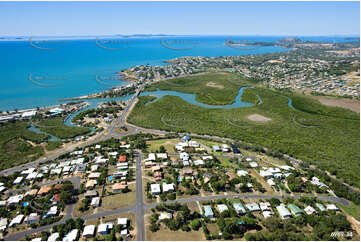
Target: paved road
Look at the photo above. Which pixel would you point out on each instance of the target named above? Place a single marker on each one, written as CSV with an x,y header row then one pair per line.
x,y
140,207
139,210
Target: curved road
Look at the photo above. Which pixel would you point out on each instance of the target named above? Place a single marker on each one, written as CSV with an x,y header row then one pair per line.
x,y
139,208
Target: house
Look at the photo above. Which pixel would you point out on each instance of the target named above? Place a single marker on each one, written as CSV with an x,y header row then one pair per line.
x,y
320,207
283,212
32,218
186,163
216,148
186,138
14,199
253,164
95,202
56,198
253,207
222,207
207,157
181,146
184,156
90,194
265,174
198,162
168,187
98,146
158,175
207,176
17,220
155,189
242,172
124,233
31,176
81,168
2,203
118,187
193,144
208,212
239,208
2,188
162,156
94,168
123,222
71,236
53,237
94,175
271,182
44,190
331,207
3,224
267,214
265,206
36,239
90,184
104,228
165,215
114,154
58,186
151,157
235,150
304,179
53,211
156,168
225,148
18,180
88,231
122,158
310,210
296,211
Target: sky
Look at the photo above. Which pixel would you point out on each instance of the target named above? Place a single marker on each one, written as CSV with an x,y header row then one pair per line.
x,y
179,18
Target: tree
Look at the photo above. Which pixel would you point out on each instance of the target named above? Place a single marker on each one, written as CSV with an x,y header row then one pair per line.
x,y
195,224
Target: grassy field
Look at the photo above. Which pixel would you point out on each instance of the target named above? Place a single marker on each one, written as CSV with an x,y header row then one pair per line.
x,y
353,210
165,234
118,200
56,127
15,146
325,136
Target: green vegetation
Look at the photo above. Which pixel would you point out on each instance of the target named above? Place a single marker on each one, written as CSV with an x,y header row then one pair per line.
x,y
52,145
56,127
205,94
353,210
332,143
15,148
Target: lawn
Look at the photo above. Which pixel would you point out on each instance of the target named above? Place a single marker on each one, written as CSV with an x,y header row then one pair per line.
x,y
165,234
118,200
325,136
56,127
169,145
353,210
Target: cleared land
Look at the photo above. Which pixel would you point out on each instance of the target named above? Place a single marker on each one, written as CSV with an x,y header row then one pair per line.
x,y
333,145
351,104
213,84
258,118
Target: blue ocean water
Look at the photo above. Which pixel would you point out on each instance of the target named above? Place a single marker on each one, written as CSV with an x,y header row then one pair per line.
x,y
37,73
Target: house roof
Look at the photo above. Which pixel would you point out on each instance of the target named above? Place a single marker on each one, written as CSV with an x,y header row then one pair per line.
x,y
44,190
122,158
56,197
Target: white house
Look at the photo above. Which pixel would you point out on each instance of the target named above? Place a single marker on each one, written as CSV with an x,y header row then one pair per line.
x,y
184,156
155,189
17,220
168,187
71,236
89,231
222,207
165,215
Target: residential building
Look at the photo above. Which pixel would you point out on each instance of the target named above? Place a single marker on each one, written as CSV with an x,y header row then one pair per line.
x,y
296,211
239,208
283,212
89,231
208,212
155,189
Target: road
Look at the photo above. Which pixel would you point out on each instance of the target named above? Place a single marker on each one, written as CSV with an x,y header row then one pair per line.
x,y
139,208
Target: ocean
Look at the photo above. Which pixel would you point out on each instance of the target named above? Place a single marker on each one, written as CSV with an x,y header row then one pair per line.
x,y
39,72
